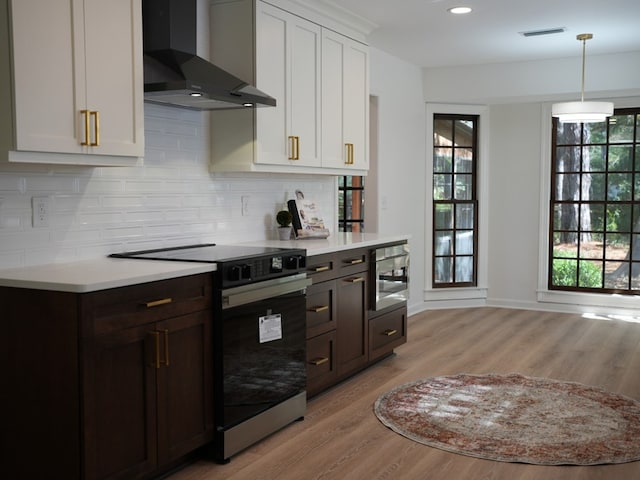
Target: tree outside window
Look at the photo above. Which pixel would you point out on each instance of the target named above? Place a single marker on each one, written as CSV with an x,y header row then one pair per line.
x,y
595,205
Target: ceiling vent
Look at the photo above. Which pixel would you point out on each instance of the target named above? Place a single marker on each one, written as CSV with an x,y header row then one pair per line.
x,y
546,31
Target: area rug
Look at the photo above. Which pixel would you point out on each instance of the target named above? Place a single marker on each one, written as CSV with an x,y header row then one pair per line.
x,y
513,418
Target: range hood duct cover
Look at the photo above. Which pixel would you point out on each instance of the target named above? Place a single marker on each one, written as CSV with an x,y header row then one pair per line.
x,y
175,75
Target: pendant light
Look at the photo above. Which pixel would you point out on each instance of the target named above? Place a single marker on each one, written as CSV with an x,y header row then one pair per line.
x,y
582,112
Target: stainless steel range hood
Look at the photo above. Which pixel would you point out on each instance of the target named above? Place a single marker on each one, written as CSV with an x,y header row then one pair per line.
x,y
175,76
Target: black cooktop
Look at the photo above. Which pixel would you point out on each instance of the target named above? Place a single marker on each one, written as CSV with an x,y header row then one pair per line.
x,y
205,253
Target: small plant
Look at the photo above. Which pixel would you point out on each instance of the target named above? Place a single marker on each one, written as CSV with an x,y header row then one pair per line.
x,y
283,217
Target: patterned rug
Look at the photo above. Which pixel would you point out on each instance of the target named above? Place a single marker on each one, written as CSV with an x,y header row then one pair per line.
x,y
513,418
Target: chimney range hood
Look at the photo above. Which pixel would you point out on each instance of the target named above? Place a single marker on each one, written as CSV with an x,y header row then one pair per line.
x,y
175,76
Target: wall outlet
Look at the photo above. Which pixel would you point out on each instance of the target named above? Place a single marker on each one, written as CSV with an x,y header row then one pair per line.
x,y
245,205
41,208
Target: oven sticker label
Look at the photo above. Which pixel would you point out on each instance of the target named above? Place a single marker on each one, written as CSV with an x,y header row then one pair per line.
x,y
270,327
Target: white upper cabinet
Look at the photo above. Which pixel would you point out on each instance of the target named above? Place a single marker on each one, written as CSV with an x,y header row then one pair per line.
x,y
288,68
345,102
74,78
321,121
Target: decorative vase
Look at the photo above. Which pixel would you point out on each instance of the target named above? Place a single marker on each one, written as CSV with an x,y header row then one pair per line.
x,y
284,233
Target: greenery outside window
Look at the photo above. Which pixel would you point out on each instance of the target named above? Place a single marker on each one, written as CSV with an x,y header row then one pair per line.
x,y
595,205
351,204
455,203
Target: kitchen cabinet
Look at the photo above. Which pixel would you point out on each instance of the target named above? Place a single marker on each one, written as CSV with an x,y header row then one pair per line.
x,y
345,102
73,73
283,55
116,383
322,369
337,325
387,332
288,66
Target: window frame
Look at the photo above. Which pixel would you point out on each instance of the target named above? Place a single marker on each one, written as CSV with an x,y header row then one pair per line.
x,y
454,203
605,202
344,188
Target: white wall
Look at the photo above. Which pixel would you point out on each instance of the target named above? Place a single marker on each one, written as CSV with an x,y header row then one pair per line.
x,y
519,96
171,200
401,158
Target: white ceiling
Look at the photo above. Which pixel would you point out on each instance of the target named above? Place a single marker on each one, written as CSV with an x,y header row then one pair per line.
x,y
424,33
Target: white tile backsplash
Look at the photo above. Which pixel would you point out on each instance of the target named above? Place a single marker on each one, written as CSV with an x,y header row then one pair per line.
x,y
172,200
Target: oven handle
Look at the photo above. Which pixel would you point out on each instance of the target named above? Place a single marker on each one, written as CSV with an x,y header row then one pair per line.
x,y
234,297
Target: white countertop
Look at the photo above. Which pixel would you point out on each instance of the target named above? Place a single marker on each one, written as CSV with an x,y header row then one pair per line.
x,y
334,243
102,273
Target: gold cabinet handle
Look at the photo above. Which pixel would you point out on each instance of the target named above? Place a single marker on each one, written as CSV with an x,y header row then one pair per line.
x,y
349,154
323,268
318,361
389,332
96,128
156,303
355,280
166,347
319,309
87,127
156,337
354,261
294,148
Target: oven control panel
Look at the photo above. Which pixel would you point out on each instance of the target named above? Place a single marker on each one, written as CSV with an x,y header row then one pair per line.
x,y
251,270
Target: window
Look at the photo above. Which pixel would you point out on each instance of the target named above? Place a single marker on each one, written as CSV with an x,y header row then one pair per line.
x,y
351,204
455,204
595,205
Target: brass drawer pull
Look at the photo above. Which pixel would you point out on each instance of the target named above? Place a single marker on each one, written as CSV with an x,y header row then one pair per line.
x,y
318,361
323,268
355,280
319,309
389,332
354,261
156,303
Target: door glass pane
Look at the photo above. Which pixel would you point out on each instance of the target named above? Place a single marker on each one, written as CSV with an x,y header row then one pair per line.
x,y
443,132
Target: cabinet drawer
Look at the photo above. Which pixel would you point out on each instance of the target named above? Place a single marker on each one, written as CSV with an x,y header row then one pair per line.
x,y
387,332
352,261
125,307
321,267
321,308
321,364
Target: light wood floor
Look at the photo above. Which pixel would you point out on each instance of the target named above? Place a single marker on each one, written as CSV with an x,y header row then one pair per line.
x,y
341,438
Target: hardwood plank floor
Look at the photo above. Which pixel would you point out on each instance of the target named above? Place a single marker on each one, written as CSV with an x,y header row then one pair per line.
x,y
341,438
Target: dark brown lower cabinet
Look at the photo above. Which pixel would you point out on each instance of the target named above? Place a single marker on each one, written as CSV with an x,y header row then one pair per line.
x,y
115,384
343,334
387,332
148,395
352,326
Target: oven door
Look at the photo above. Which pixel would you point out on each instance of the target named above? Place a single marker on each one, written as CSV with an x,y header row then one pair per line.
x,y
261,334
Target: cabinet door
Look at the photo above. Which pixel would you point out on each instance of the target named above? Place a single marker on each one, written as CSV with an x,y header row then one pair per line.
x,y
345,102
48,95
356,104
321,308
76,61
120,432
185,385
304,110
288,68
113,59
352,325
321,362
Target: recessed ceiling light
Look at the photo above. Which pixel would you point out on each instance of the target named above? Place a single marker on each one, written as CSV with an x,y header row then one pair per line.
x,y
459,10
